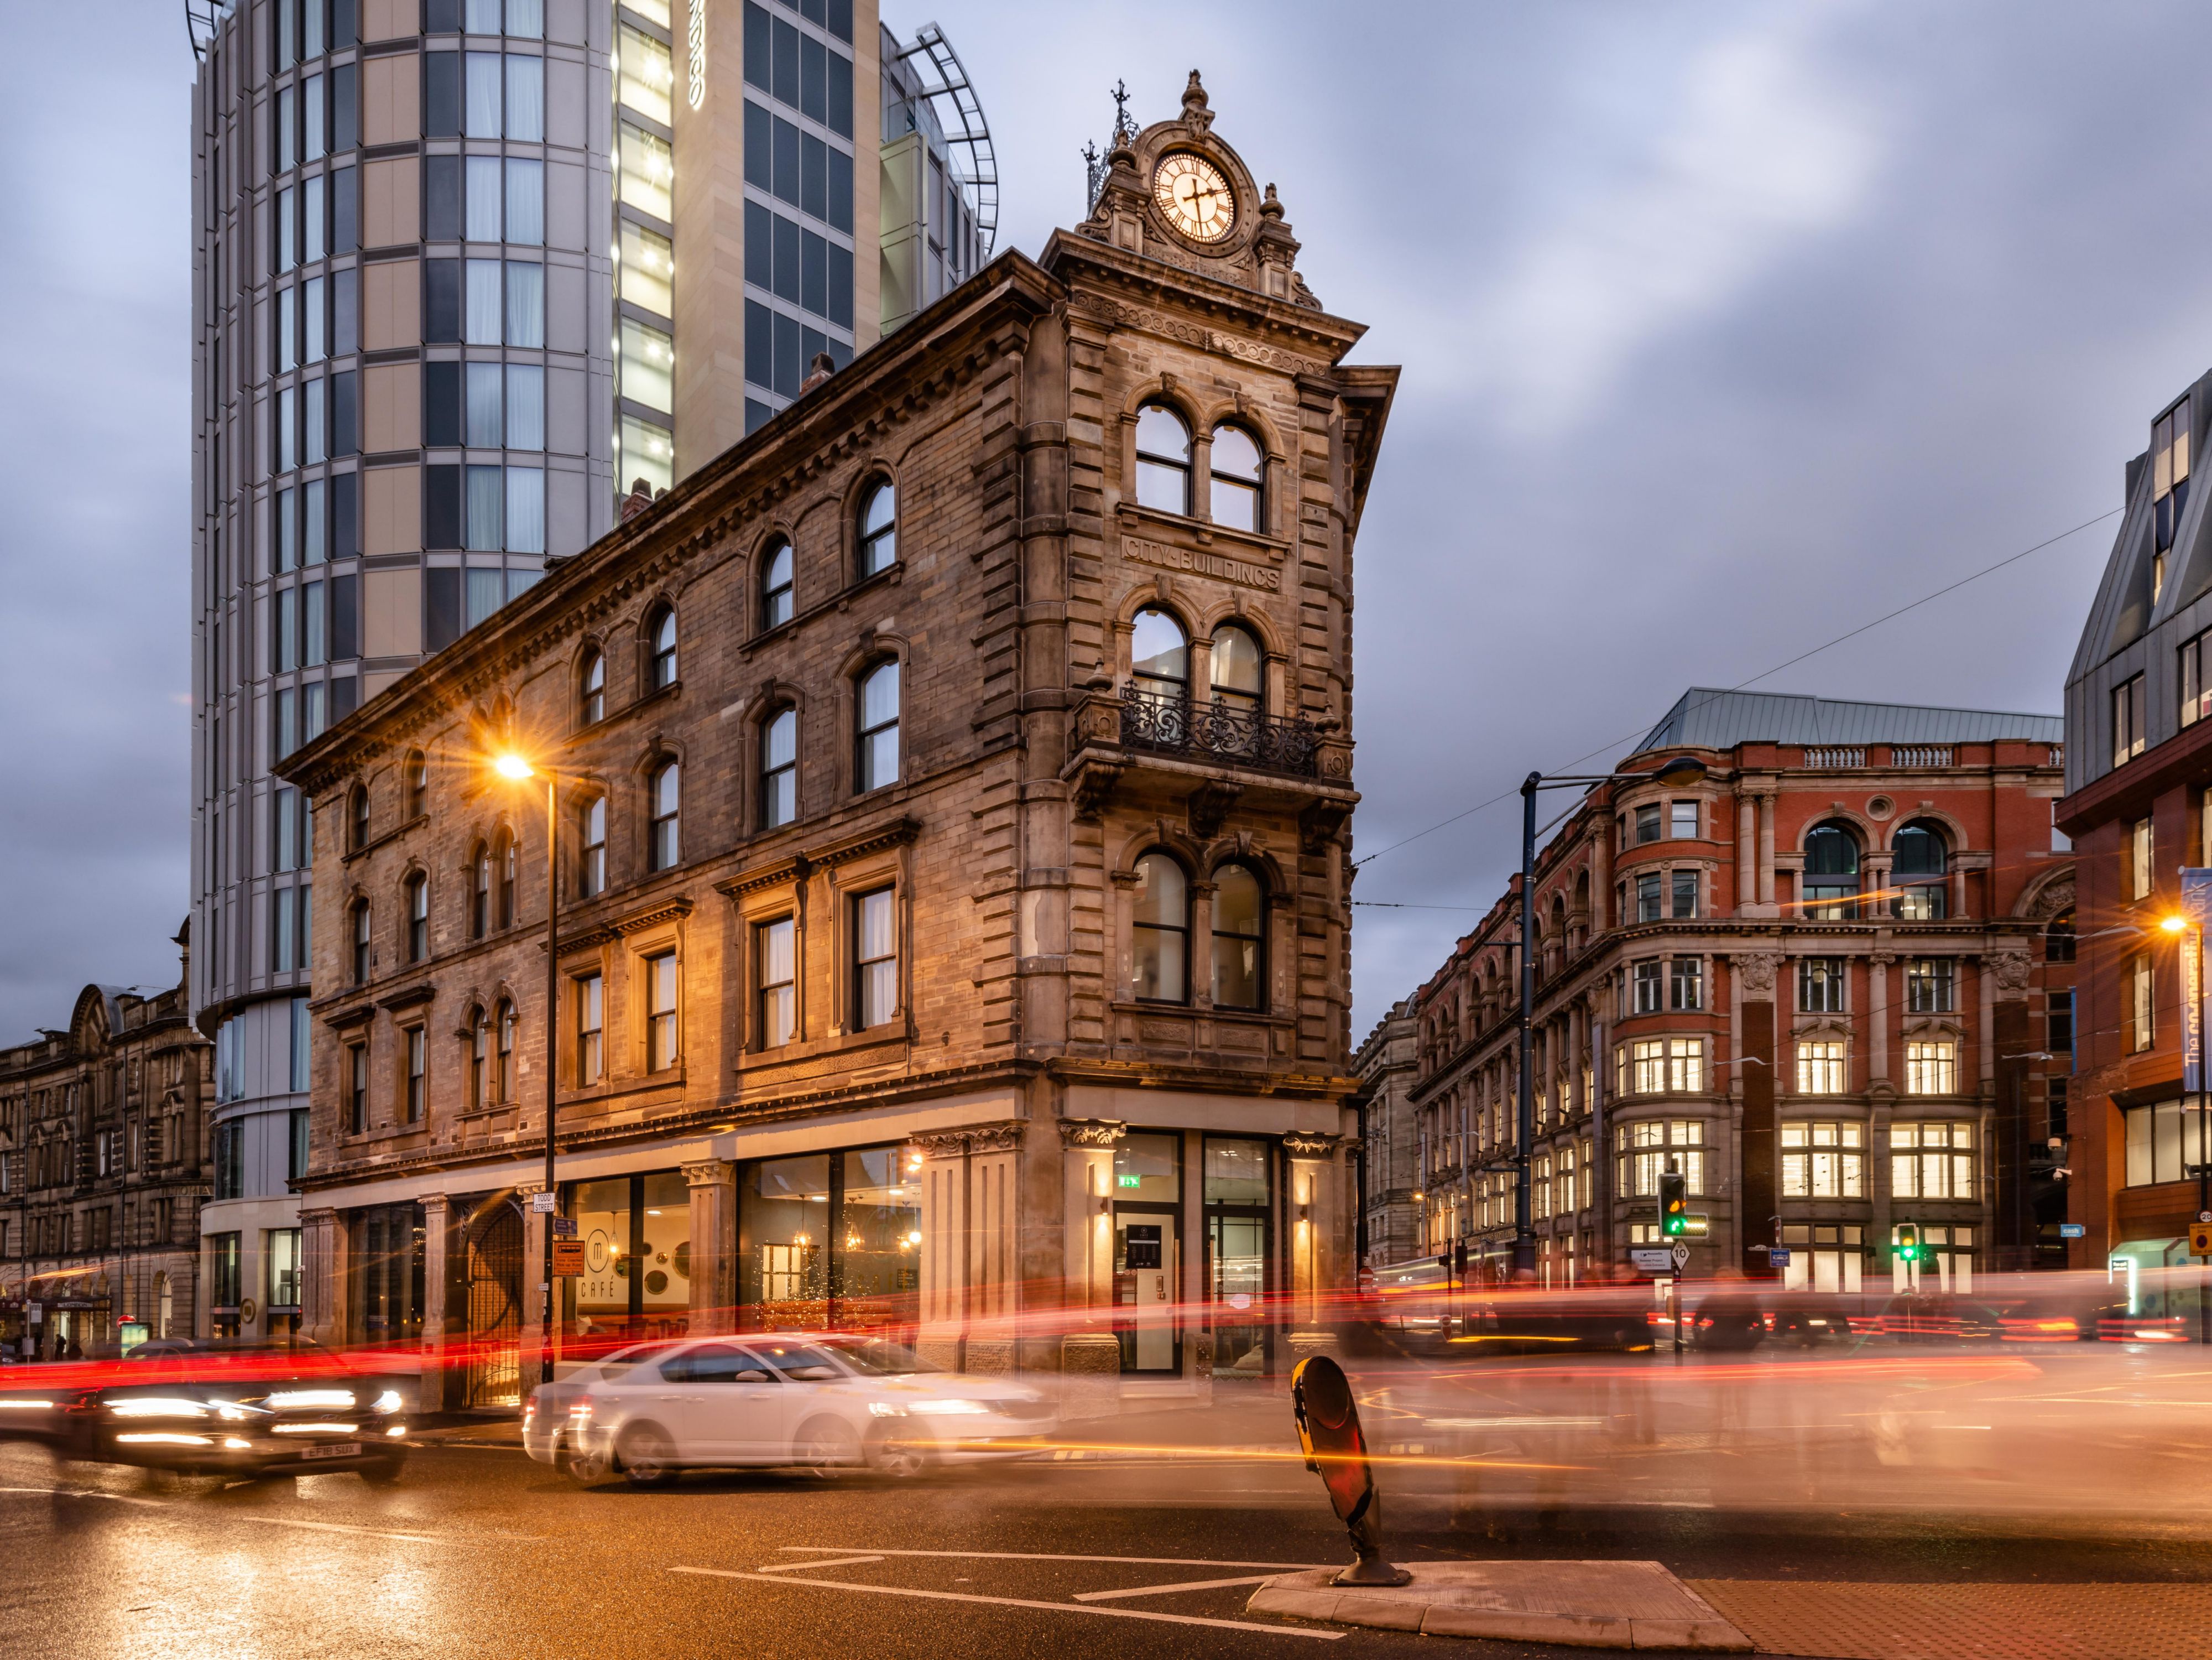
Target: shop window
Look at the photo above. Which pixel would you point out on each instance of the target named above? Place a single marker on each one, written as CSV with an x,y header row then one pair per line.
x,y
1824,1257
386,1249
636,1235
831,1236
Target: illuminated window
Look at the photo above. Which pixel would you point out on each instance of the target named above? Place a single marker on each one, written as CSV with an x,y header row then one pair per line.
x,y
1820,1068
2142,857
1931,1068
1646,1150
1931,1161
648,269
1823,1161
1239,938
647,171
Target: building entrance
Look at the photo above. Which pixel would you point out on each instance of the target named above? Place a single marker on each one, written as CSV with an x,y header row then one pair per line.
x,y
494,1288
1147,1259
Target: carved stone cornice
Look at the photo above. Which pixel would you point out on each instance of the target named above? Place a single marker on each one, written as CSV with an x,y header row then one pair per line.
x,y
711,1173
896,833
794,868
358,1014
1310,1144
1092,1131
668,910
407,996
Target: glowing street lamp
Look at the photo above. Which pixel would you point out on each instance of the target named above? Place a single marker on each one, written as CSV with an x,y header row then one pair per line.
x,y
517,768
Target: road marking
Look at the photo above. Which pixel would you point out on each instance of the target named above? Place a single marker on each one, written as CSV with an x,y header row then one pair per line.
x,y
834,1562
1165,1590
235,1516
1019,1602
1042,1556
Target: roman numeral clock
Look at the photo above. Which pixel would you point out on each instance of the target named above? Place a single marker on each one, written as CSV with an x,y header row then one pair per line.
x,y
1193,196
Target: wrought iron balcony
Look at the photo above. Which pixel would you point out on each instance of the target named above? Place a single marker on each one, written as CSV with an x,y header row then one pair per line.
x,y
1217,732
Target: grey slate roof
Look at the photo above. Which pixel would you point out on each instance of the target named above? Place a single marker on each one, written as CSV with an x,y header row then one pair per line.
x,y
1709,717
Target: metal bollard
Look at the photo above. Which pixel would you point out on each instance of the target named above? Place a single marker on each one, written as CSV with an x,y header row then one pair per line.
x,y
1329,1435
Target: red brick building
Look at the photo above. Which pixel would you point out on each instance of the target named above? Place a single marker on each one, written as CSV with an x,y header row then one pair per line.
x,y
1829,983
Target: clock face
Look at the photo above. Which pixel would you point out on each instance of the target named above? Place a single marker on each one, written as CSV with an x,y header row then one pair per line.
x,y
1194,197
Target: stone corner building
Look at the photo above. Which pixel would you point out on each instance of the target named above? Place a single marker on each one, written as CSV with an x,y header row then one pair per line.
x,y
953,781
104,1165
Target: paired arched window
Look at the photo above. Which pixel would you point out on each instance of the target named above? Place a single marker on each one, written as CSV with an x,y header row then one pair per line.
x,y
1238,670
480,892
479,1041
592,689
1236,479
417,774
1159,933
360,932
591,835
1240,954
503,875
418,917
503,1034
666,844
775,583
1919,868
779,768
1831,882
880,725
661,670
1163,459
1160,653
357,818
878,544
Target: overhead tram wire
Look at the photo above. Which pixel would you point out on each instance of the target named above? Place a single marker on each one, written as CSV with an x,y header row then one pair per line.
x,y
1764,674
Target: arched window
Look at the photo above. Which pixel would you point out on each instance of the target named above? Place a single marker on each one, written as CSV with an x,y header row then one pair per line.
x,y
878,528
480,892
1831,881
357,817
1919,868
779,768
418,917
1240,955
479,1058
662,671
503,897
1163,459
592,689
592,867
1160,932
2058,939
775,584
417,774
503,1025
360,939
1238,670
1159,655
665,846
1236,479
879,726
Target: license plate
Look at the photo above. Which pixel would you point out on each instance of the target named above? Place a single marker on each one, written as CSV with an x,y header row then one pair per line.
x,y
333,1449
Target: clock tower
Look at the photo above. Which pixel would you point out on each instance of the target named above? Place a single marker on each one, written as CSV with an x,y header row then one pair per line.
x,y
1178,193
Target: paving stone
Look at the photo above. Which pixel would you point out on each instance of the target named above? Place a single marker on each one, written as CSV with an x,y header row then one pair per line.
x,y
1971,1621
1585,1604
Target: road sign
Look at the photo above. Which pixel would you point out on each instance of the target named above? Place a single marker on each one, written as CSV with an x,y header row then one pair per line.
x,y
564,1227
2072,1229
1681,1255
2200,1238
545,1203
1778,1256
568,1259
1652,1261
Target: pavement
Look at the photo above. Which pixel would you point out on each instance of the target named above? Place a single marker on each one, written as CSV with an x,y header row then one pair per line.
x,y
1148,1533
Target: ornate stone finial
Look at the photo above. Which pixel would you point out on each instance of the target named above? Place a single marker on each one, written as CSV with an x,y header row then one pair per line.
x,y
1125,130
1196,114
1271,206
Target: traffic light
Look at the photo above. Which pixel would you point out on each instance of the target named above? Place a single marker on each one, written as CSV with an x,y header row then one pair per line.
x,y
1459,1259
1673,1204
1908,1242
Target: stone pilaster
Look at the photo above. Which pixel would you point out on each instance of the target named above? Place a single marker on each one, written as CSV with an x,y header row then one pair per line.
x,y
713,1183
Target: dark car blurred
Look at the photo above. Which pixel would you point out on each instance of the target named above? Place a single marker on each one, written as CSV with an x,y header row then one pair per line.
x,y
218,1407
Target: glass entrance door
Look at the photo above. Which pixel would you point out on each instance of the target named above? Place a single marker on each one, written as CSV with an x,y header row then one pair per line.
x,y
1147,1251
1237,1292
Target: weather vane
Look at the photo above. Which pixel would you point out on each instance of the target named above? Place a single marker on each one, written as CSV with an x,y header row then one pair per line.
x,y
1125,130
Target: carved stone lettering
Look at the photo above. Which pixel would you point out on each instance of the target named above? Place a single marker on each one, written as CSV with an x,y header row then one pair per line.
x,y
1158,554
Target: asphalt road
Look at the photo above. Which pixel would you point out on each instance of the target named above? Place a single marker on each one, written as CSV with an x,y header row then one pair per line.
x,y
478,1551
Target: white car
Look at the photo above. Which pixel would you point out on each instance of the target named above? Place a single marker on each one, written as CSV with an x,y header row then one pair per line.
x,y
780,1399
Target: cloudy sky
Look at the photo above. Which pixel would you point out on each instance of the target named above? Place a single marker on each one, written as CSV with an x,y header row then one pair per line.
x,y
1725,329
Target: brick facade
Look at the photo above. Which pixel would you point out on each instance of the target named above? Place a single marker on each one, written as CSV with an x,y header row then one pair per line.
x,y
978,1022
1683,1012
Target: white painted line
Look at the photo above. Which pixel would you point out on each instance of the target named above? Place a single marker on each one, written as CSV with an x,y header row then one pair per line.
x,y
200,1513
834,1562
1042,1556
1165,1590
1020,1602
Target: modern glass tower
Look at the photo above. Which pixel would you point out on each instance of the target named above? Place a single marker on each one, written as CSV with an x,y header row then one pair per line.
x,y
464,271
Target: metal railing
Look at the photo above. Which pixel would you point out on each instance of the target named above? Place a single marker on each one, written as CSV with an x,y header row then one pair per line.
x,y
1217,732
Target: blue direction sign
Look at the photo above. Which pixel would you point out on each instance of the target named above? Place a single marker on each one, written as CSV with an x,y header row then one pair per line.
x,y
2072,1229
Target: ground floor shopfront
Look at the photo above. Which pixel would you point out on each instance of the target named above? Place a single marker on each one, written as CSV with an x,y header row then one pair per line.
x,y
97,1308
1139,1232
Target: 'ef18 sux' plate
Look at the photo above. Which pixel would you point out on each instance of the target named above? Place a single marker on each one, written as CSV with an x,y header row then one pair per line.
x,y
333,1449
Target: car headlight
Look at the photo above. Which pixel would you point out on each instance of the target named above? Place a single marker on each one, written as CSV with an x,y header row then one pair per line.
x,y
293,1400
950,1408
387,1402
158,1407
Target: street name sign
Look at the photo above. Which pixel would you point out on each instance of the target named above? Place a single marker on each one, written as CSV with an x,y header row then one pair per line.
x,y
1652,1262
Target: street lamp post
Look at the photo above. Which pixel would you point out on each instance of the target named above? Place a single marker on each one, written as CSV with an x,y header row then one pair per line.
x,y
516,768
1675,774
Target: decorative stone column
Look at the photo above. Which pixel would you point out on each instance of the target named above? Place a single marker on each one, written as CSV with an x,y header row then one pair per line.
x,y
1312,1216
431,1393
1757,1200
531,1333
1090,1354
943,1293
328,1277
993,1205
1747,851
713,1185
1767,852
